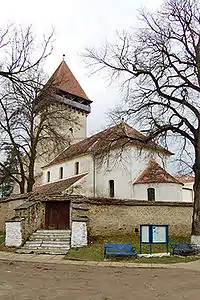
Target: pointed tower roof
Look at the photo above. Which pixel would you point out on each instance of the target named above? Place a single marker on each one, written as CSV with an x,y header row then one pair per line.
x,y
64,80
154,173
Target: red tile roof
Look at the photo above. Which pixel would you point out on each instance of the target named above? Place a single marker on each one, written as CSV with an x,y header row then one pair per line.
x,y
184,178
116,136
154,173
58,186
64,80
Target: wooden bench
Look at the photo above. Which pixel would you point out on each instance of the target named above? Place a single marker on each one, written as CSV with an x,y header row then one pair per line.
x,y
184,249
119,250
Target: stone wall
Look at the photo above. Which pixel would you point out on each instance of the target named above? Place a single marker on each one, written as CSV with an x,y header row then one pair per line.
x,y
33,215
116,217
7,206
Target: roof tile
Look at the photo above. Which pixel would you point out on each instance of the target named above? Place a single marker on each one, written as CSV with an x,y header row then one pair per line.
x,y
116,136
58,186
154,173
64,80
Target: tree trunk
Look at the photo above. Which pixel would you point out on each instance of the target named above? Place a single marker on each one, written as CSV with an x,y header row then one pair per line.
x,y
31,179
196,207
21,187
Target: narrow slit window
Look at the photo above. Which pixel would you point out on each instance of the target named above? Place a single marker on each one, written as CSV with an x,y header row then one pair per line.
x,y
48,176
76,168
61,173
151,194
111,188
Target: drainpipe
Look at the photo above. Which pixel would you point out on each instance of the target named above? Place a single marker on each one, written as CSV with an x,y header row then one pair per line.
x,y
94,174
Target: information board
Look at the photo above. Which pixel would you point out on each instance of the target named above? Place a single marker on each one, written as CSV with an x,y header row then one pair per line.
x,y
153,234
145,234
159,234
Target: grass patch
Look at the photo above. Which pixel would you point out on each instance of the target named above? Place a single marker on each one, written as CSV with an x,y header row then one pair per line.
x,y
2,237
94,251
2,243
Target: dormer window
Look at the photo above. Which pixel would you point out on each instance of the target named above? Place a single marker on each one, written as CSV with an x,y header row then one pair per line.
x,y
61,173
48,176
76,168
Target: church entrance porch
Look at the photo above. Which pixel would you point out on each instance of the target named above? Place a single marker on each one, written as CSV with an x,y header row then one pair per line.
x,y
57,215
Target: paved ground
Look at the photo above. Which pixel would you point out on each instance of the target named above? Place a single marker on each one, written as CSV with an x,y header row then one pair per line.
x,y
32,281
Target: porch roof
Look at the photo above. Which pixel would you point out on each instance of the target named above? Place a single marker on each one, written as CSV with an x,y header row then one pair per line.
x,y
58,187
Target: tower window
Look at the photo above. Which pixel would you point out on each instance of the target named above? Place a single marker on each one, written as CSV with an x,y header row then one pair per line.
x,y
151,194
111,188
48,176
61,173
76,168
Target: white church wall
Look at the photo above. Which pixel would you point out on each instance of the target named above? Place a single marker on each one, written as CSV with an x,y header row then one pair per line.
x,y
187,191
123,169
78,133
170,192
85,165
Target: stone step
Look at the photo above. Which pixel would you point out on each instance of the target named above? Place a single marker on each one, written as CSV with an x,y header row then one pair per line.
x,y
51,235
41,239
43,251
53,231
46,248
52,244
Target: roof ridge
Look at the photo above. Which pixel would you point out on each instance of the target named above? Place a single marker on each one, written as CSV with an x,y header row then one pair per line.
x,y
101,140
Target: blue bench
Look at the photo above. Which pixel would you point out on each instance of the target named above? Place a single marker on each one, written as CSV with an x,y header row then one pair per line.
x,y
184,249
119,250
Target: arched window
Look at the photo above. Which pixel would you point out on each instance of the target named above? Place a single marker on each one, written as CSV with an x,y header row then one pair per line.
x,y
151,194
48,176
111,188
76,168
61,173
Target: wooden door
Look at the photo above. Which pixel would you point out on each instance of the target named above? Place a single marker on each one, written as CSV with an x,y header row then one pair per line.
x,y
57,215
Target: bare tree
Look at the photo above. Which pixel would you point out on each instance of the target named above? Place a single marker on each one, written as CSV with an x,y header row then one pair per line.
x,y
160,68
32,124
32,117
20,54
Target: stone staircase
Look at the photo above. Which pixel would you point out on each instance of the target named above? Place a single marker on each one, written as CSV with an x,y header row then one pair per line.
x,y
47,242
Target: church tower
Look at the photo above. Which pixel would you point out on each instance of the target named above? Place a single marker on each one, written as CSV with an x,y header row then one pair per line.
x,y
69,95
69,92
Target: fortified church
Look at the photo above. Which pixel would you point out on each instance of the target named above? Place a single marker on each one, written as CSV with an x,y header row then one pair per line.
x,y
107,183
97,166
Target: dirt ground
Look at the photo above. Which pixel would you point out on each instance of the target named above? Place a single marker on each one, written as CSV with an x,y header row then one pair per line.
x,y
28,281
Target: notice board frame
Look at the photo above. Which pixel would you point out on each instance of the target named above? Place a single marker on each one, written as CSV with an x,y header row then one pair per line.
x,y
150,236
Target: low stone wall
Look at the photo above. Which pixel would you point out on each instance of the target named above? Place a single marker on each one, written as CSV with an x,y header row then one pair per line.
x,y
33,214
28,218
115,217
7,206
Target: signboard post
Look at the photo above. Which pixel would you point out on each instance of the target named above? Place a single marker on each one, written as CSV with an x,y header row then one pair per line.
x,y
153,234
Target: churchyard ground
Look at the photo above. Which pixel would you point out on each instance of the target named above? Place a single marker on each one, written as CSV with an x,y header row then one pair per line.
x,y
31,281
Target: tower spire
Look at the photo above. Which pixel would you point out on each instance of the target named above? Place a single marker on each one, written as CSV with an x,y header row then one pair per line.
x,y
63,57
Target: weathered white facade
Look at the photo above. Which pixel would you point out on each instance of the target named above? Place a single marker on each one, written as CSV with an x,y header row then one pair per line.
x,y
170,192
123,170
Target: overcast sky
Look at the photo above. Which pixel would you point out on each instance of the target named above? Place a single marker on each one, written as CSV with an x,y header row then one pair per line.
x,y
79,24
